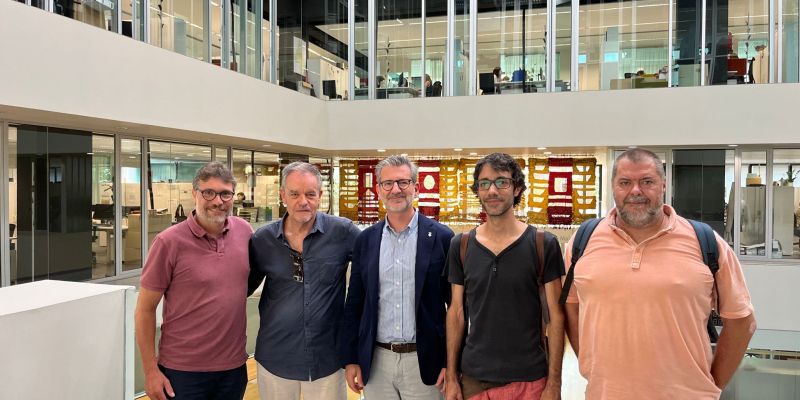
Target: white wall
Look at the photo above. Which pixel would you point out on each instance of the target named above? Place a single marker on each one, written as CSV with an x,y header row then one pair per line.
x,y
773,289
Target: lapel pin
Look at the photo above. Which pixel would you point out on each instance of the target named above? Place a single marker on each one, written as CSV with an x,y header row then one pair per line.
x,y
429,234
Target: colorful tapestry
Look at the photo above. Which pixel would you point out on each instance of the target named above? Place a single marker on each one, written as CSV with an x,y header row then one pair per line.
x,y
348,189
470,205
584,189
367,198
559,191
449,209
538,190
428,203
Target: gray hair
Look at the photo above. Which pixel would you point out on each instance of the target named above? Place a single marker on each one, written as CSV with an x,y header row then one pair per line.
x,y
213,169
300,166
397,161
638,155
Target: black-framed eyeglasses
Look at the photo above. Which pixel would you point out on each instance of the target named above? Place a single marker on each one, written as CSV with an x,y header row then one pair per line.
x,y
211,194
402,184
499,183
297,262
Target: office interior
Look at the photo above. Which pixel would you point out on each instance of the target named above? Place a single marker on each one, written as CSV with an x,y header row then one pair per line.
x,y
86,162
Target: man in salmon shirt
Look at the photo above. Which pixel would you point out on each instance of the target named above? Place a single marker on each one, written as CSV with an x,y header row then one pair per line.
x,y
638,307
200,268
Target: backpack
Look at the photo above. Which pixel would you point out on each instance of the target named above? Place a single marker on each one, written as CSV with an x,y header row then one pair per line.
x,y
708,248
538,240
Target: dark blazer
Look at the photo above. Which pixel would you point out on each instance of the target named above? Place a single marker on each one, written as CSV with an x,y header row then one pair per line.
x,y
432,293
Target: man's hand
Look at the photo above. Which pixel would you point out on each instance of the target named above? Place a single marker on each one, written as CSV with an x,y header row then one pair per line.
x,y
452,388
352,374
155,384
551,391
440,381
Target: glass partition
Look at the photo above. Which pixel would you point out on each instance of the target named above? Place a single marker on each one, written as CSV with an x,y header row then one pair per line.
x,y
399,44
753,200
563,30
512,48
51,203
623,44
435,46
737,37
99,13
171,169
698,186
179,26
266,30
131,197
103,213
461,40
790,42
360,42
786,203
312,48
133,19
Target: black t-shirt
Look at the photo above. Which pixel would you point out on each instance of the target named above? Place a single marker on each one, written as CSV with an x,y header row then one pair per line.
x,y
502,295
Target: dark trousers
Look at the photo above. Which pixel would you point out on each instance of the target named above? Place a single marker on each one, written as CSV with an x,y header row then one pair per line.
x,y
217,385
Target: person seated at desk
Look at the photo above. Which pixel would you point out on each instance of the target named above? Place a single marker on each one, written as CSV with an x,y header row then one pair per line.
x,y
428,86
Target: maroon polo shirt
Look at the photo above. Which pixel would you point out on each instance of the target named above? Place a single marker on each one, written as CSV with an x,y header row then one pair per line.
x,y
204,282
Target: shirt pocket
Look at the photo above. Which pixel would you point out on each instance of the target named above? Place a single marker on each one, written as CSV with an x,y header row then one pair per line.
x,y
331,272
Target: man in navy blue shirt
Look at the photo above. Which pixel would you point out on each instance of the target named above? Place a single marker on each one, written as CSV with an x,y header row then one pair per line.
x,y
304,257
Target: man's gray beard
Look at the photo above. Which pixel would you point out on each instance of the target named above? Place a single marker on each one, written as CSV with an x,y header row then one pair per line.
x,y
638,220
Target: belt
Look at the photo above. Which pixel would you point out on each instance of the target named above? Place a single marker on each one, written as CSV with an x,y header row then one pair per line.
x,y
398,347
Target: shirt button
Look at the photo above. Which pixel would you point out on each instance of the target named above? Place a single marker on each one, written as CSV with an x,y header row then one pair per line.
x,y
397,328
398,283
397,305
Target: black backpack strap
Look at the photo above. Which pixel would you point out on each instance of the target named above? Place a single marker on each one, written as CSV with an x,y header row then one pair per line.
x,y
578,246
710,252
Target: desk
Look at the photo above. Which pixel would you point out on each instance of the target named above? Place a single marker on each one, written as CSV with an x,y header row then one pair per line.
x,y
389,93
109,234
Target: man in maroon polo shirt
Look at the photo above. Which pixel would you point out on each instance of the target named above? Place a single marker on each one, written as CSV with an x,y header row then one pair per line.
x,y
200,268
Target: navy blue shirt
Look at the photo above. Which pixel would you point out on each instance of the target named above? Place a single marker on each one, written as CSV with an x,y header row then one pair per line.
x,y
298,336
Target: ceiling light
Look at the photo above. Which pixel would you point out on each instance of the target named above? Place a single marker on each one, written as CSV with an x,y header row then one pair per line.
x,y
133,157
381,150
541,148
547,153
206,151
473,154
631,147
404,154
89,154
733,145
458,149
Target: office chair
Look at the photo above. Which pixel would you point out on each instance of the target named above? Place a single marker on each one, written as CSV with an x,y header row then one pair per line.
x,y
437,89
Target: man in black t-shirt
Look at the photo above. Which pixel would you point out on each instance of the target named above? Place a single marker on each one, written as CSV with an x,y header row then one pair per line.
x,y
504,354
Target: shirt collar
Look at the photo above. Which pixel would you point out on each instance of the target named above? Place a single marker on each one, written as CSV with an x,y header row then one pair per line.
x,y
412,225
198,230
319,224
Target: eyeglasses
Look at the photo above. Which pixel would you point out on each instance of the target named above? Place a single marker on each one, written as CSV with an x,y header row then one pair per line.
x,y
211,194
402,184
297,261
499,183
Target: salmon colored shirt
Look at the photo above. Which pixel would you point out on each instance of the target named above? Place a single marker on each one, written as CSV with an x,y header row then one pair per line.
x,y
644,309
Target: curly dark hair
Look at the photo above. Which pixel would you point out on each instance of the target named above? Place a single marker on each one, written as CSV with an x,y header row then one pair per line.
x,y
501,162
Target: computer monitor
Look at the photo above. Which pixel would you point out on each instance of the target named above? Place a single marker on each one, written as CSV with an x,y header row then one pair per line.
x,y
103,212
416,81
329,89
486,82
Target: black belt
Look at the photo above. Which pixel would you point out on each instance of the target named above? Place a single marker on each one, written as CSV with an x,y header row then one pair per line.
x,y
398,347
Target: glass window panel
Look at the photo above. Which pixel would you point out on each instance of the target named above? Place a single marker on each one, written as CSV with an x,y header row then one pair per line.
x,y
99,13
312,47
361,49
216,32
698,186
737,33
623,44
103,221
790,43
461,73
435,47
132,19
266,29
399,44
754,197
253,55
221,154
266,196
13,221
131,193
512,48
51,199
172,169
563,46
178,25
686,42
786,203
